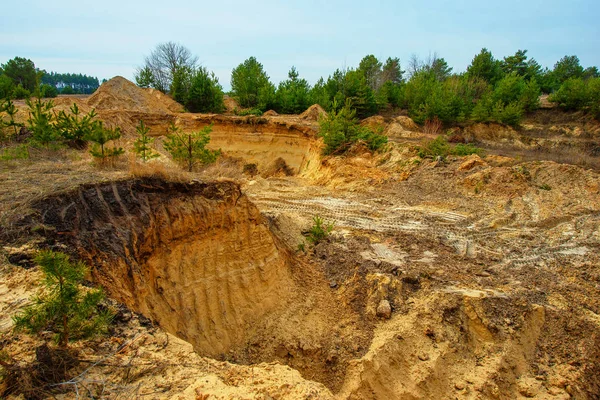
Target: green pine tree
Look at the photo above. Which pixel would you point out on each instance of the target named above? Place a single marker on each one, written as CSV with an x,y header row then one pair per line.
x,y
190,148
41,122
100,136
143,145
64,308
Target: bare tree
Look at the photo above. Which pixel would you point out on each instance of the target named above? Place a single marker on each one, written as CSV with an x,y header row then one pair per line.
x,y
165,60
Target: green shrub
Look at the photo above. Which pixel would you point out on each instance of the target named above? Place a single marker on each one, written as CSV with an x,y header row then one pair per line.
x,y
340,129
251,111
19,92
74,128
461,149
48,91
65,307
100,136
319,231
439,147
190,148
572,94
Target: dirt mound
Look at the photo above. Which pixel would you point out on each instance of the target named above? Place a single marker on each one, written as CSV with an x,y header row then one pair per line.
x,y
374,123
123,95
313,113
270,113
230,104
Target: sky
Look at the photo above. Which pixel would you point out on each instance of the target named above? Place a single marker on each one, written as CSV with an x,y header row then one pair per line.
x,y
109,38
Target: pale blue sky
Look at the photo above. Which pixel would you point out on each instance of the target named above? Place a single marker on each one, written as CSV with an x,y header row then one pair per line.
x,y
108,38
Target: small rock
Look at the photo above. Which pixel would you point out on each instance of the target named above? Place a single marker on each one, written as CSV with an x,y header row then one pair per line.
x,y
483,274
460,385
333,284
384,309
423,357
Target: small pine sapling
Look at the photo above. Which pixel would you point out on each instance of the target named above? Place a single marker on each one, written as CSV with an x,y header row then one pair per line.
x,y
9,108
100,136
64,308
190,148
74,128
41,122
143,144
319,231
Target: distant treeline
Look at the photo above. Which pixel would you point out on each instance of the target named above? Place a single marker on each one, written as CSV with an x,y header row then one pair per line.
x,y
71,83
490,90
20,79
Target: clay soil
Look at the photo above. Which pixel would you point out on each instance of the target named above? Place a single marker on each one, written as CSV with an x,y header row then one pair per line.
x,y
460,278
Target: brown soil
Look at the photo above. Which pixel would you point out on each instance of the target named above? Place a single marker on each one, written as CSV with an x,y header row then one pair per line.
x,y
313,113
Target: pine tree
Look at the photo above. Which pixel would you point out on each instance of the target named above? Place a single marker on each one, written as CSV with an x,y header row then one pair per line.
x,y
142,145
100,136
41,122
11,111
64,308
74,128
190,148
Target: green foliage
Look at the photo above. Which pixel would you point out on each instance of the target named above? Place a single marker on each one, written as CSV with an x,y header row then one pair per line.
x,y
197,90
579,94
41,122
19,92
319,231
67,90
484,66
144,78
572,95
251,111
370,68
6,86
205,93
181,83
19,152
100,136
529,98
340,129
251,86
567,68
64,308
143,144
22,72
293,94
11,111
515,64
74,128
190,148
439,147
48,91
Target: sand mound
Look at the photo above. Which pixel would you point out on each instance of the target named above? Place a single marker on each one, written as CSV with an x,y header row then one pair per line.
x,y
230,104
313,113
121,94
374,123
270,113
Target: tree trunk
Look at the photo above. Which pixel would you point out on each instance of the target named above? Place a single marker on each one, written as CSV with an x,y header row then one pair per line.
x,y
190,161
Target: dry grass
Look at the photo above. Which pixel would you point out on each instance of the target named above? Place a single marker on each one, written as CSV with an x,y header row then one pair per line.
x,y
50,172
433,126
27,181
